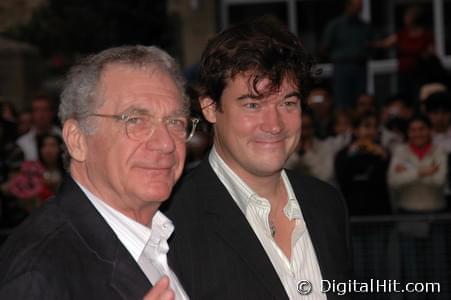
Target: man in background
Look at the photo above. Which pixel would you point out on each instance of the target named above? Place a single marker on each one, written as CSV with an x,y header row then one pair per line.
x,y
346,40
42,113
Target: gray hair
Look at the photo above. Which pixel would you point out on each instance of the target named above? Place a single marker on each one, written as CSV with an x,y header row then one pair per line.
x,y
79,99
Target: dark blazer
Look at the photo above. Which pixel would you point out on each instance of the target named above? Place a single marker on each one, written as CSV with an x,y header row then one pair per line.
x,y
216,254
66,250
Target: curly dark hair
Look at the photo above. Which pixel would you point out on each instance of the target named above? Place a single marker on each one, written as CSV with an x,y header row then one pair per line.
x,y
261,48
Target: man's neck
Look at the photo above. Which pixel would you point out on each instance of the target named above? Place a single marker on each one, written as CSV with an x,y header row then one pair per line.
x,y
269,187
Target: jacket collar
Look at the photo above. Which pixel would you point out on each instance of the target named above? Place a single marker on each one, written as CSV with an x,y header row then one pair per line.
x,y
126,276
225,217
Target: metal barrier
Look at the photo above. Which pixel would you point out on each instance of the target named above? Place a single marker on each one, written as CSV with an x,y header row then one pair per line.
x,y
410,251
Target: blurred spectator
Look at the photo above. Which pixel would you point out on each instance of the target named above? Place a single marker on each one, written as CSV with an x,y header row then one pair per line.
x,y
430,70
343,124
396,112
24,122
342,127
51,157
418,169
438,109
313,156
414,42
417,176
364,105
320,102
8,111
428,89
27,185
361,170
346,40
42,114
36,181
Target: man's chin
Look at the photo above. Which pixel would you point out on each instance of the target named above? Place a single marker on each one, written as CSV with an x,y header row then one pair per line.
x,y
268,169
154,191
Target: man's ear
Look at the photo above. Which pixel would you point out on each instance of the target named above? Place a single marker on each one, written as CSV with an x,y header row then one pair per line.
x,y
75,140
208,107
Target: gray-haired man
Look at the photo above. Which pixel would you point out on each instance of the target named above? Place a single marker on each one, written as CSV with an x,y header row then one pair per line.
x,y
125,125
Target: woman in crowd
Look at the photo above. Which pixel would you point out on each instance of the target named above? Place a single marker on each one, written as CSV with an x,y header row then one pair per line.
x,y
418,169
417,175
414,43
36,181
51,157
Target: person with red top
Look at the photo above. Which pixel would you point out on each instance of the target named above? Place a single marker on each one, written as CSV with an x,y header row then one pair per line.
x,y
413,42
418,168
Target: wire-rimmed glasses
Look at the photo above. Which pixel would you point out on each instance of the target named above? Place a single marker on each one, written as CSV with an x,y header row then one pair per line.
x,y
140,127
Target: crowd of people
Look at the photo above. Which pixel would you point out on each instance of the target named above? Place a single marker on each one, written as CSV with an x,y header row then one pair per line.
x,y
31,160
385,159
374,150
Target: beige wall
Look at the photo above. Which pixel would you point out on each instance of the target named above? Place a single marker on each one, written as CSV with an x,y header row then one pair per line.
x,y
19,62
13,12
198,24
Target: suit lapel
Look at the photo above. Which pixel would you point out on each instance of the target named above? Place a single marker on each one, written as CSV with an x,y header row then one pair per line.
x,y
227,220
126,276
314,221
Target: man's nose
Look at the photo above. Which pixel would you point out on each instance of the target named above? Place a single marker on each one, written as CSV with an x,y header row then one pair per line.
x,y
161,140
272,121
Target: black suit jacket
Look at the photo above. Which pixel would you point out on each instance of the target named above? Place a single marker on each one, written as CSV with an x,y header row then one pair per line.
x,y
66,250
216,254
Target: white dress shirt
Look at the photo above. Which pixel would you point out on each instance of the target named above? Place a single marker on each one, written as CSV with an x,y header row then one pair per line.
x,y
143,242
304,263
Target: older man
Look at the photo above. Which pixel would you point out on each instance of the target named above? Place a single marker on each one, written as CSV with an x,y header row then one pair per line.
x,y
125,125
246,228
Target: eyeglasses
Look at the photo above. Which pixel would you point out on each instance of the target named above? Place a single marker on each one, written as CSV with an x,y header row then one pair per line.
x,y
140,127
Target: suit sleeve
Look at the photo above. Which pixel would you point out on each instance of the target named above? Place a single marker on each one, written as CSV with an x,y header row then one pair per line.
x,y
31,285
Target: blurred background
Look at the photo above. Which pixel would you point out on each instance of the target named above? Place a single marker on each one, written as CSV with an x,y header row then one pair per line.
x,y
377,122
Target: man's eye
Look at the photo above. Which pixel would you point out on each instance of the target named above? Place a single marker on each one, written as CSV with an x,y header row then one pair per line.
x,y
291,103
177,123
135,120
251,105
